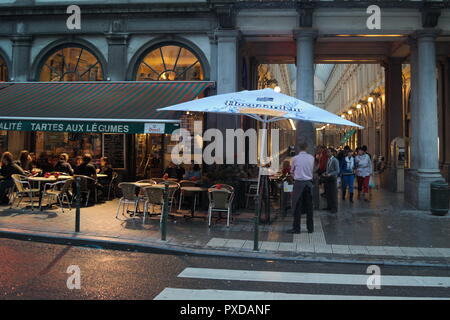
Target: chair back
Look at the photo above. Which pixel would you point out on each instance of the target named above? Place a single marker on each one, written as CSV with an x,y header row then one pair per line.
x,y
253,188
66,186
187,183
220,198
154,195
173,190
147,181
224,186
128,190
19,181
84,181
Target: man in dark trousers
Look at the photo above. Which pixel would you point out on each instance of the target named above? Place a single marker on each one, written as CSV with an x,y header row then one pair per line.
x,y
331,180
302,169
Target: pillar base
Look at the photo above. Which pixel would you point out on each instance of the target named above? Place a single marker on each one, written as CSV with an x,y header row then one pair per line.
x,y
417,187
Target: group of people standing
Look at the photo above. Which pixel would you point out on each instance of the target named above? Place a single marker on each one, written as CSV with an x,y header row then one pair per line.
x,y
345,164
26,165
328,165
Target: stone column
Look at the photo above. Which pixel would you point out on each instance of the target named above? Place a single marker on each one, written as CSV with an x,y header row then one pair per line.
x,y
305,82
415,114
211,118
393,179
227,71
117,56
21,48
425,126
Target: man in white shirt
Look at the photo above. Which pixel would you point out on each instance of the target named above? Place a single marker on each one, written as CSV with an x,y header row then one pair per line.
x,y
302,171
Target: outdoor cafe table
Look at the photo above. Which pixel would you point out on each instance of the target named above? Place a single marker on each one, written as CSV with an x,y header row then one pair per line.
x,y
194,190
50,179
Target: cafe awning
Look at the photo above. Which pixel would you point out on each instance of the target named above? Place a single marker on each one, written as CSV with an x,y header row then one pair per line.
x,y
109,107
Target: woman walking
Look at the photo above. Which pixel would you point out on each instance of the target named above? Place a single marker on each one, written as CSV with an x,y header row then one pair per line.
x,y
363,165
348,175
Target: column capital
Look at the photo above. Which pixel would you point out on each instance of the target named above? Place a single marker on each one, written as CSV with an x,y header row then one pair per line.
x,y
227,35
429,34
114,38
22,40
305,33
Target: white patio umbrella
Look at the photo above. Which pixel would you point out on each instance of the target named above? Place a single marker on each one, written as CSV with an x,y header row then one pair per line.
x,y
264,105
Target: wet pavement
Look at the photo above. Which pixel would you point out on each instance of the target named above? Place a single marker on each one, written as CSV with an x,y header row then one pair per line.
x,y
41,271
385,226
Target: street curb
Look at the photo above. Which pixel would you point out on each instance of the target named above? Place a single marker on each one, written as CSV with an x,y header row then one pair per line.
x,y
164,247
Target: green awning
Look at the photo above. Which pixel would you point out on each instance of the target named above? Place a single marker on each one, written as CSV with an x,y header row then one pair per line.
x,y
109,107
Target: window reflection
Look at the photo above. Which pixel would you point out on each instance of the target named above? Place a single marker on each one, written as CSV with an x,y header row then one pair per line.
x,y
71,64
169,63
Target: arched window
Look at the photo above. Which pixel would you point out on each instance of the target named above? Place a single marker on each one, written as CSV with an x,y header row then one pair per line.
x,y
170,62
71,64
3,70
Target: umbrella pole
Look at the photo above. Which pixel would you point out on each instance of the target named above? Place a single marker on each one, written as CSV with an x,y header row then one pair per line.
x,y
258,195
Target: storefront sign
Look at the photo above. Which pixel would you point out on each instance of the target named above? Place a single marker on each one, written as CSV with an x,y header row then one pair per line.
x,y
154,128
87,127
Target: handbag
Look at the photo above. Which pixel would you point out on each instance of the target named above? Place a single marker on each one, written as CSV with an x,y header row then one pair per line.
x,y
371,183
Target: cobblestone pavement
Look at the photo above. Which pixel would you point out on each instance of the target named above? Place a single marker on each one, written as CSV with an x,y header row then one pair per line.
x,y
383,227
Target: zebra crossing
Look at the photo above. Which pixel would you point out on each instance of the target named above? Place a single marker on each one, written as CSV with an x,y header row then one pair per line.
x,y
330,279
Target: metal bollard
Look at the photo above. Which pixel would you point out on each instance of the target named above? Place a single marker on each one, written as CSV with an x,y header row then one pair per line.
x,y
77,212
165,211
256,234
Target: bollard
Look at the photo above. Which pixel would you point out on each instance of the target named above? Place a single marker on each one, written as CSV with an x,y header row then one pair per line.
x,y
164,212
77,211
256,235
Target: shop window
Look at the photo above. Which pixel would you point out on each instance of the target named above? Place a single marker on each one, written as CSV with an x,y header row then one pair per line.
x,y
74,144
3,70
3,141
169,63
71,64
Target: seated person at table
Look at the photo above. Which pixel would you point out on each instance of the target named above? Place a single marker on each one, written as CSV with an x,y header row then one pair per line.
x,y
9,167
44,163
105,168
25,160
77,162
86,168
63,165
193,173
171,171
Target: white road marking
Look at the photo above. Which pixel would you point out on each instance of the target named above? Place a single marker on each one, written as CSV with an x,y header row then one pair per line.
x,y
211,294
319,278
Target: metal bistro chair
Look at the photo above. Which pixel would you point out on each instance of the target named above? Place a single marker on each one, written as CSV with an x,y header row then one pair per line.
x,y
85,188
129,197
154,196
23,189
183,194
220,200
51,191
112,185
252,191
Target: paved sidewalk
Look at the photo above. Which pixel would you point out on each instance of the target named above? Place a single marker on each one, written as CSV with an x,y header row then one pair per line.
x,y
384,229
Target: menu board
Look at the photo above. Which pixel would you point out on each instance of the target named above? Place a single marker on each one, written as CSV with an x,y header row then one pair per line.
x,y
114,149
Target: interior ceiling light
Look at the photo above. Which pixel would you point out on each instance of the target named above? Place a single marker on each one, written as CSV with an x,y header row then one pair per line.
x,y
370,99
358,106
